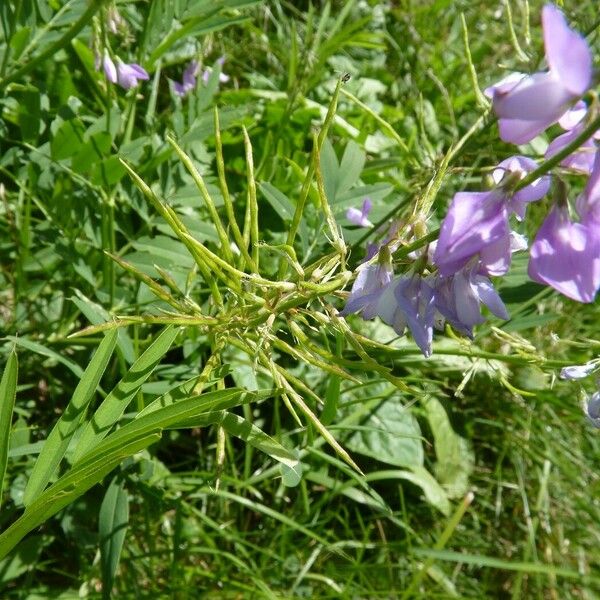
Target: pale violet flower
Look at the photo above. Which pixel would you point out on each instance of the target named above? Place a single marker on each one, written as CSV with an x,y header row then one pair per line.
x,y
578,371
126,75
189,80
528,104
370,281
458,300
566,254
592,409
476,224
129,74
223,78
360,217
408,301
582,159
110,71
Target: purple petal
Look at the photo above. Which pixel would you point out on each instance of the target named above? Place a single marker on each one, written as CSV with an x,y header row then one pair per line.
x,y
573,116
505,85
588,203
523,101
592,409
490,297
495,258
567,52
578,371
467,304
518,242
416,302
521,165
517,131
582,159
566,256
474,221
109,69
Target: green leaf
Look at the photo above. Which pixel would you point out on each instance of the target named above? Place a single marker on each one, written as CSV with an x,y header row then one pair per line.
x,y
434,493
251,434
114,405
330,170
291,476
58,441
39,349
390,434
112,527
68,140
278,200
8,391
455,459
351,167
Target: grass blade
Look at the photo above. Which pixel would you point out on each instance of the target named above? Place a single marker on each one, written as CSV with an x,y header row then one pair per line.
x,y
114,405
8,390
58,441
112,527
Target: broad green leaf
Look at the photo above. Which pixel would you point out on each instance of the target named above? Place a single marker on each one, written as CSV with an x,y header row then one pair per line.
x,y
278,200
434,493
112,527
390,434
114,405
330,170
291,476
351,167
68,140
58,441
455,459
8,390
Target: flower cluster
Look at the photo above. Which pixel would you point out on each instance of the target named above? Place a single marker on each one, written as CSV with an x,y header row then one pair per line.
x,y
476,240
190,74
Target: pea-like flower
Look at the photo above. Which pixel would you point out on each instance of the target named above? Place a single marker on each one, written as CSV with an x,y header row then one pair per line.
x,y
360,217
189,80
126,75
527,104
566,255
592,409
458,300
579,371
477,222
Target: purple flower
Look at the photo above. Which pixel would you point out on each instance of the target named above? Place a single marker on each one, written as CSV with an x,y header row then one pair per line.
x,y
458,299
408,301
371,279
189,80
223,78
517,167
578,371
529,105
477,222
360,217
566,255
128,74
110,71
592,409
